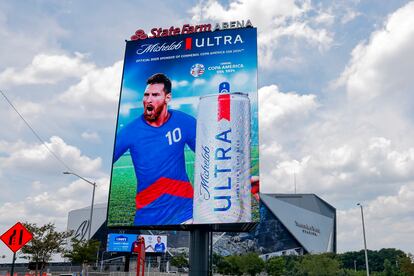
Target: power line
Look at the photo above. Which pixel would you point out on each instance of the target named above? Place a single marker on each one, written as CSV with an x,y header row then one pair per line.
x,y
35,133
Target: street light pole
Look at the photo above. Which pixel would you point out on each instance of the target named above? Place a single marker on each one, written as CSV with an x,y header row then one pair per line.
x,y
365,240
93,198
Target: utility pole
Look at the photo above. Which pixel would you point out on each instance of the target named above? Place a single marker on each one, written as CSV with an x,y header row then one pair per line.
x,y
365,240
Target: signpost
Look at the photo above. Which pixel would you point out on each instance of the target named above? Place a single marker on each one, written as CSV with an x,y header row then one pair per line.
x,y
15,238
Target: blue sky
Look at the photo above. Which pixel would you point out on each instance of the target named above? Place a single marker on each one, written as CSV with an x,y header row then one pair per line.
x,y
335,103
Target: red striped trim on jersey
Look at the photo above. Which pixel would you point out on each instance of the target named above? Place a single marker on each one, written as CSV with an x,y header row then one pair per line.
x,y
163,186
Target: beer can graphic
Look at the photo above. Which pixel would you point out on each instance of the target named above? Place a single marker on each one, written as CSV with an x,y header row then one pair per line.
x,y
222,165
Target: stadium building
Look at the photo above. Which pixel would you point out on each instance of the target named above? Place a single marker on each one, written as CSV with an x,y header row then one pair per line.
x,y
302,223
290,224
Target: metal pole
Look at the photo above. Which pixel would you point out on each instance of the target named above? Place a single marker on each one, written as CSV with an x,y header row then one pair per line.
x,y
93,198
12,268
91,214
210,259
97,259
365,240
102,255
199,252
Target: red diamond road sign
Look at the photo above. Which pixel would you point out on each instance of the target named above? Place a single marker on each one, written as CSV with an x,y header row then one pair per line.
x,y
16,237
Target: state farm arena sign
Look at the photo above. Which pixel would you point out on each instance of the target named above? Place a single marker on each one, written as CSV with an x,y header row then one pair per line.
x,y
189,29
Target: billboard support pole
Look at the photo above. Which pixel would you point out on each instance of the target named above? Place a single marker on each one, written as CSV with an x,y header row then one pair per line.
x,y
199,252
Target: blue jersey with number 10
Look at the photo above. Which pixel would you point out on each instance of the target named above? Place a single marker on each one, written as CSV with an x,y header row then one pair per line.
x,y
164,194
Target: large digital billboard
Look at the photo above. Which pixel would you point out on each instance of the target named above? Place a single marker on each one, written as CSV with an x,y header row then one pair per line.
x,y
126,242
186,145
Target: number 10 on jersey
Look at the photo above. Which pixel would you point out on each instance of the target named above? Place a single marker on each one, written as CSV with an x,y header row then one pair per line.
x,y
173,136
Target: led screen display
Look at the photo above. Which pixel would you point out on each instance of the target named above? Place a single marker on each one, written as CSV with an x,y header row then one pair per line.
x,y
186,147
127,242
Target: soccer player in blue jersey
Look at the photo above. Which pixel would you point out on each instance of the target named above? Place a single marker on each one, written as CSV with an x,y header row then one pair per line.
x,y
156,142
159,246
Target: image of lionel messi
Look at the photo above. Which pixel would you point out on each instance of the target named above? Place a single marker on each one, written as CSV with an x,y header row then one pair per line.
x,y
156,141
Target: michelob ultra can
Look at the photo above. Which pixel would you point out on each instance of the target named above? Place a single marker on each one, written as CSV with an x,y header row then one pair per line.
x,y
222,164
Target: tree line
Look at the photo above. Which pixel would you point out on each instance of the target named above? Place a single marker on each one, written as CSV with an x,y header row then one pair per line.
x,y
384,262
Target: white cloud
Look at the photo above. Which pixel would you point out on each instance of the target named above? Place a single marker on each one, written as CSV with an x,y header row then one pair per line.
x,y
382,66
47,69
198,82
275,20
37,157
177,102
388,220
27,109
91,136
37,185
125,109
98,87
240,79
96,95
29,37
280,108
326,18
358,149
349,16
177,84
280,113
54,205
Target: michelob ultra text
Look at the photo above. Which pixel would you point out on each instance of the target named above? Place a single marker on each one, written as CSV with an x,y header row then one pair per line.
x,y
222,165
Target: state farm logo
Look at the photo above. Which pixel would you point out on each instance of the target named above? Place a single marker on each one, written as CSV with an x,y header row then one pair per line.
x,y
212,41
158,47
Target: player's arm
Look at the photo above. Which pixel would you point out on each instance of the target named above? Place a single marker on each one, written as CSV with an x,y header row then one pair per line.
x,y
191,130
121,143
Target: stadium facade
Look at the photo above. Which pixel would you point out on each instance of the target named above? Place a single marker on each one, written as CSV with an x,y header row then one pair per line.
x,y
289,224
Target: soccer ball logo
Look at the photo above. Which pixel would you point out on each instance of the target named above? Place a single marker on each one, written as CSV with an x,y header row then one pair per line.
x,y
197,70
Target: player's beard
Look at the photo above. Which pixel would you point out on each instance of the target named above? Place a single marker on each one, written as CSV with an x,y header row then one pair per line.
x,y
154,114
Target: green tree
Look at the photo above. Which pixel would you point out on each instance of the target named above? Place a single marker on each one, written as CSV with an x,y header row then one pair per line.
x,y
388,271
46,242
179,261
406,265
275,266
233,265
217,258
292,265
352,272
252,264
375,258
83,252
224,266
319,265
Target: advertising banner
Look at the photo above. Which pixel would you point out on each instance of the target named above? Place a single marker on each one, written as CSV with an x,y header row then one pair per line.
x,y
126,242
186,145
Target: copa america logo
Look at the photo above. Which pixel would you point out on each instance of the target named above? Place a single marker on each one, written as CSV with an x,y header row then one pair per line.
x,y
197,70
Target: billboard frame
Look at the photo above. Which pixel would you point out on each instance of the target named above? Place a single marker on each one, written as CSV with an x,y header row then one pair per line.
x,y
215,227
